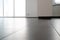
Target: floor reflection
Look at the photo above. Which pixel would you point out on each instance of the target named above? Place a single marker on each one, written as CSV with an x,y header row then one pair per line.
x,y
1,27
56,24
11,25
28,29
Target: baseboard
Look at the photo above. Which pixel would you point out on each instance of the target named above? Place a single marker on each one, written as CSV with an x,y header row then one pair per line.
x,y
48,17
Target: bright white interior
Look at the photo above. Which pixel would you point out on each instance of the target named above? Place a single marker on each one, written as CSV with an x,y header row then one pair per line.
x,y
57,1
12,8
20,8
8,7
1,8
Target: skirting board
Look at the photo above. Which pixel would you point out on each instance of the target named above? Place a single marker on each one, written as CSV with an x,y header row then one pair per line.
x,y
48,17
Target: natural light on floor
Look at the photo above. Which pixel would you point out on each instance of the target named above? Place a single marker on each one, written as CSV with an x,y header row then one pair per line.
x,y
13,8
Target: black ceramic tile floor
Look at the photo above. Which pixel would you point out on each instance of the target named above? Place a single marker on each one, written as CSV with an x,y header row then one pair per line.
x,y
29,29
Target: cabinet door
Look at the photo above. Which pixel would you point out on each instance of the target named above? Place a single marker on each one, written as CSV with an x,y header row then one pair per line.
x,y
31,8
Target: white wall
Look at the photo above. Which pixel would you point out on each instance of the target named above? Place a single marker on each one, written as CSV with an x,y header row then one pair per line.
x,y
32,8
45,7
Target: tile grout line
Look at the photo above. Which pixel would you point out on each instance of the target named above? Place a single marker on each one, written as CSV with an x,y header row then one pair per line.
x,y
56,30
9,35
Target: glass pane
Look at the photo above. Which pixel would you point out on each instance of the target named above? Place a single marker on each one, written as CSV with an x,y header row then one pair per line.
x,y
8,7
1,7
57,1
20,8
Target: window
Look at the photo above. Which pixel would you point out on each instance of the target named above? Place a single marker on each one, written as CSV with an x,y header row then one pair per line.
x,y
8,7
1,7
57,1
20,8
12,8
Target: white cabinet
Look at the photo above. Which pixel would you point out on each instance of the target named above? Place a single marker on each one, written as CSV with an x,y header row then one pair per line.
x,y
32,8
37,8
45,7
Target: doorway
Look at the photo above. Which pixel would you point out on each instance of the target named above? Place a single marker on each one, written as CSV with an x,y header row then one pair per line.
x,y
56,8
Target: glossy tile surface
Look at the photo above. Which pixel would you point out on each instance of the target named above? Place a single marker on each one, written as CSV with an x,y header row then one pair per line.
x,y
29,29
56,24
